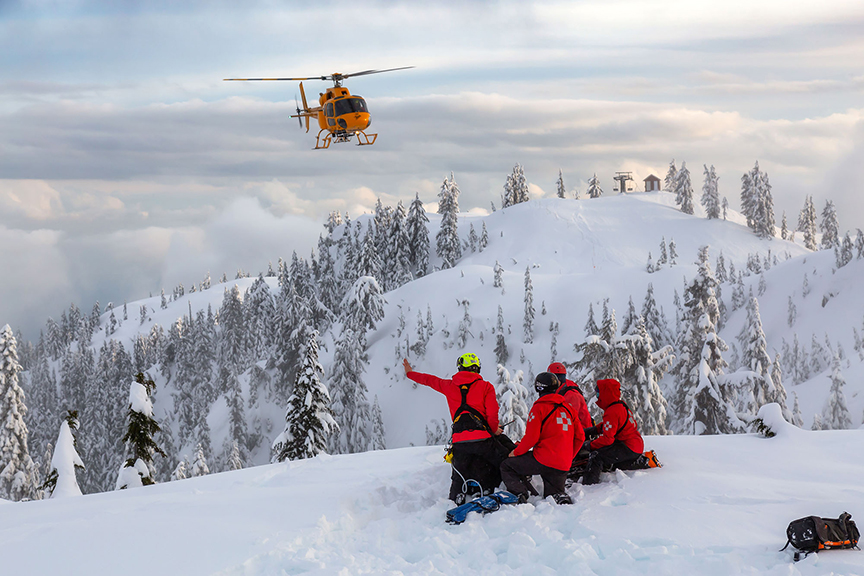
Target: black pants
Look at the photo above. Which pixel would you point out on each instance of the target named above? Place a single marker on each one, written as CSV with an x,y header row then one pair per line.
x,y
478,460
517,470
616,455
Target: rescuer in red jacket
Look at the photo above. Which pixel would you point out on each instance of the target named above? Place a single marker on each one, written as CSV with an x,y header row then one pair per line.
x,y
474,411
554,434
572,394
619,443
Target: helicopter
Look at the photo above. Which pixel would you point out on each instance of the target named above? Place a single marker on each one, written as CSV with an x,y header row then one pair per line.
x,y
340,114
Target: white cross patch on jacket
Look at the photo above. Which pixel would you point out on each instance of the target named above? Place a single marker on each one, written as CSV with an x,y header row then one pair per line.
x,y
564,420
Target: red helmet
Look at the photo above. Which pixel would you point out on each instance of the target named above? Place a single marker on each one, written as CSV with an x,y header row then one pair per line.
x,y
557,368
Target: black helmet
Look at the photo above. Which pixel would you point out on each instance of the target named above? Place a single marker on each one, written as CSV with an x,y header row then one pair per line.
x,y
546,383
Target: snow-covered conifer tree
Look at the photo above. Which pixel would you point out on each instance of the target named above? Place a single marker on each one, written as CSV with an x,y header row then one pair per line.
x,y
797,419
448,245
784,227
501,352
630,317
519,185
701,404
754,354
673,253
378,440
136,470
829,226
199,466
472,238
594,189
560,184
18,473
711,193
514,404
234,460
779,391
528,320
655,322
721,275
671,177
684,190
643,375
497,281
484,238
807,223
309,422
61,481
835,415
417,227
180,471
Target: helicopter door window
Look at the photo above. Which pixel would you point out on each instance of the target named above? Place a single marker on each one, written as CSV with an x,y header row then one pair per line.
x,y
328,112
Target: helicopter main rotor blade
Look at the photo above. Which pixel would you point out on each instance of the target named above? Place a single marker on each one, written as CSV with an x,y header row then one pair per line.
x,y
365,72
270,79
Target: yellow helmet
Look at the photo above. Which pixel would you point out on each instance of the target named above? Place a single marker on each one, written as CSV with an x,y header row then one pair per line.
x,y
469,362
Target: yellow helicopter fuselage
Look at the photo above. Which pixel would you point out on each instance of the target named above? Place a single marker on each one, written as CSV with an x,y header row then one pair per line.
x,y
341,112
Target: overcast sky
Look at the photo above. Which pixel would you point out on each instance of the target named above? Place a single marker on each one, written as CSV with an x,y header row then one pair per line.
x,y
127,165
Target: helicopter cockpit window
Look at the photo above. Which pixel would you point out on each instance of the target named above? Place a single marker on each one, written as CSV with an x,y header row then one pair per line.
x,y
349,105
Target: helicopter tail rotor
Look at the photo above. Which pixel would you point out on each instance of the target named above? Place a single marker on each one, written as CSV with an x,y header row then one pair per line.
x,y
299,118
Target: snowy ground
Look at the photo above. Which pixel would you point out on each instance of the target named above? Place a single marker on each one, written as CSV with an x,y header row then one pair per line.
x,y
719,506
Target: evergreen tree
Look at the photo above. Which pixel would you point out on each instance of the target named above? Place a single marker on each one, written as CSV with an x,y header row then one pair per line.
x,y
807,223
754,356
655,321
309,421
835,415
501,352
472,238
644,374
684,190
829,226
18,473
448,245
594,189
397,262
484,238
797,420
513,401
497,281
528,320
560,184
180,471
199,466
61,481
630,317
378,434
779,390
670,182
137,469
701,403
710,193
845,252
235,461
784,227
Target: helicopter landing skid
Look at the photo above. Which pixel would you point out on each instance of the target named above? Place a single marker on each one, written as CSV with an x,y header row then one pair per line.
x,y
363,139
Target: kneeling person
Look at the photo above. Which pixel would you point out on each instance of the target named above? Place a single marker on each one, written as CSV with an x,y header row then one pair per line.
x,y
619,444
555,435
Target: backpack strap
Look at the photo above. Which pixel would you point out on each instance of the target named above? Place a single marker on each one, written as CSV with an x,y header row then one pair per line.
x,y
465,408
567,388
627,408
554,408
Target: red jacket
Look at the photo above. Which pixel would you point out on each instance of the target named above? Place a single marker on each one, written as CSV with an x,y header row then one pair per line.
x,y
481,397
560,438
577,401
618,422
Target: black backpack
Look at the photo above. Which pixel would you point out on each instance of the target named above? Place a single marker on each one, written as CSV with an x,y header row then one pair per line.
x,y
812,534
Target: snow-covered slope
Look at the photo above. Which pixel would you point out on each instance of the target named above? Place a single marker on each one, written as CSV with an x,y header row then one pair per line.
x,y
581,252
578,252
719,506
